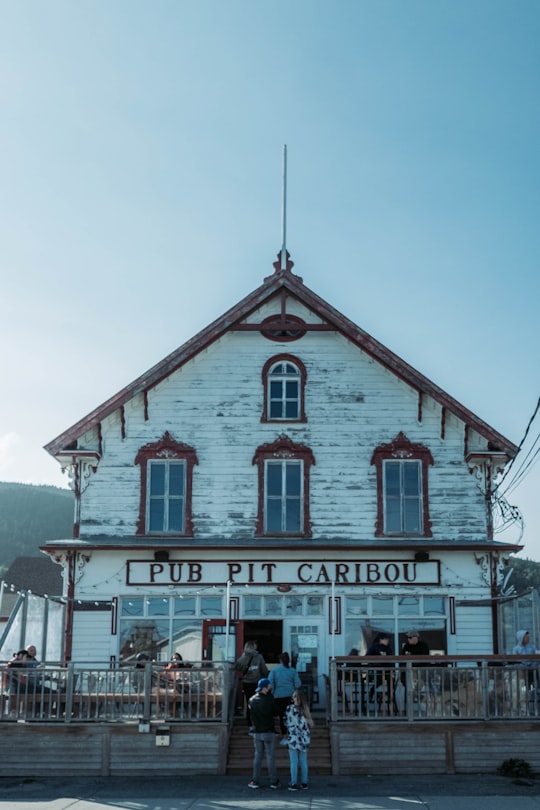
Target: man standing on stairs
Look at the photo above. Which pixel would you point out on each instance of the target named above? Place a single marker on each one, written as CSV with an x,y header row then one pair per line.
x,y
252,666
261,707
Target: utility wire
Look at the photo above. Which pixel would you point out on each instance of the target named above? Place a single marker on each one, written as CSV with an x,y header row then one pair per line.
x,y
522,442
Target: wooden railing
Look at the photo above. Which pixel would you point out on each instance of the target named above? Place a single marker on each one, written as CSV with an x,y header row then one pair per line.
x,y
434,688
75,693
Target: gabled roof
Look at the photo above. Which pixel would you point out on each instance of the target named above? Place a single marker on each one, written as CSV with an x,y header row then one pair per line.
x,y
37,574
286,283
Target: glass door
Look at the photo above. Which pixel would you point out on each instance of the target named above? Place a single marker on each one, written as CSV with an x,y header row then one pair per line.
x,y
305,638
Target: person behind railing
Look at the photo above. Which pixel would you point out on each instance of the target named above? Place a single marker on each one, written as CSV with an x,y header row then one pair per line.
x,y
14,680
284,679
251,666
350,682
170,678
525,646
413,645
31,660
382,682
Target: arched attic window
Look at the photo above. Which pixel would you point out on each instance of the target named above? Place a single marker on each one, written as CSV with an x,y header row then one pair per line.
x,y
166,487
402,489
284,381
284,472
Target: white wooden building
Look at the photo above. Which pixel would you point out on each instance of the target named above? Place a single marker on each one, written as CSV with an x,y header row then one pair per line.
x,y
281,476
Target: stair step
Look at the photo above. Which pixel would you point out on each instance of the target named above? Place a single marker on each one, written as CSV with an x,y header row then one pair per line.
x,y
240,756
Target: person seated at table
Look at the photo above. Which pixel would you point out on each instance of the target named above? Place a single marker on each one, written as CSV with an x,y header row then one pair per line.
x,y
170,679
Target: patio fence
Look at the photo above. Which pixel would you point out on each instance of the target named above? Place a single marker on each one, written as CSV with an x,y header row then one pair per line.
x,y
99,693
433,688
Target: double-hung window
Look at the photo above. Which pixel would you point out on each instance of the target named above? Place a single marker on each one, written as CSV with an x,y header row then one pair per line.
x,y
166,496
166,487
284,474
402,488
283,497
284,379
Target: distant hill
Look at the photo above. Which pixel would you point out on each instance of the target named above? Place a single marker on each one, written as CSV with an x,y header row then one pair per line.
x,y
29,516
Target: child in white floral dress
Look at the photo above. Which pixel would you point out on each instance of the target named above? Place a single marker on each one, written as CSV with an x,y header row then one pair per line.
x,y
299,722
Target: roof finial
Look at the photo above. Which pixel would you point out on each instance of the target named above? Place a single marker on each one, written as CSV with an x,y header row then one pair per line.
x,y
284,262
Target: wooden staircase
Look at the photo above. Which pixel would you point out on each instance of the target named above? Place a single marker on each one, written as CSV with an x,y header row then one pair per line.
x,y
240,757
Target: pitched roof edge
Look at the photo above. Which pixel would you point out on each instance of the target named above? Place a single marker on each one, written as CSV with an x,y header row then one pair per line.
x,y
169,364
252,301
405,371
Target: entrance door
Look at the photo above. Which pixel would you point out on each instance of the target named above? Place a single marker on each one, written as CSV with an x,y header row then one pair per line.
x,y
269,637
306,640
217,644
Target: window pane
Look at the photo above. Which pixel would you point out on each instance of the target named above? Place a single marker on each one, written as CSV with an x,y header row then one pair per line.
x,y
157,606
409,606
315,606
434,605
133,607
157,479
411,478
272,606
411,513
176,479
211,606
356,605
252,605
176,515
273,479
291,410
392,478
293,523
273,515
293,478
275,389
291,389
157,511
276,410
392,516
184,606
187,640
383,606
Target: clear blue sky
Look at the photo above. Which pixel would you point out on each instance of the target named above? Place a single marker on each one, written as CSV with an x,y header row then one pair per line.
x,y
140,177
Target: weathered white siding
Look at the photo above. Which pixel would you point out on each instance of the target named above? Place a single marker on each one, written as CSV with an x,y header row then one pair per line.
x,y
214,403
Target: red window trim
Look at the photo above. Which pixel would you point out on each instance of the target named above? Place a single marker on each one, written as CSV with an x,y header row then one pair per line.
x,y
401,448
166,449
283,448
284,358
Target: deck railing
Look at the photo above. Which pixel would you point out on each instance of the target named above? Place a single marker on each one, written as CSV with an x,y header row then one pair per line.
x,y
99,693
434,688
